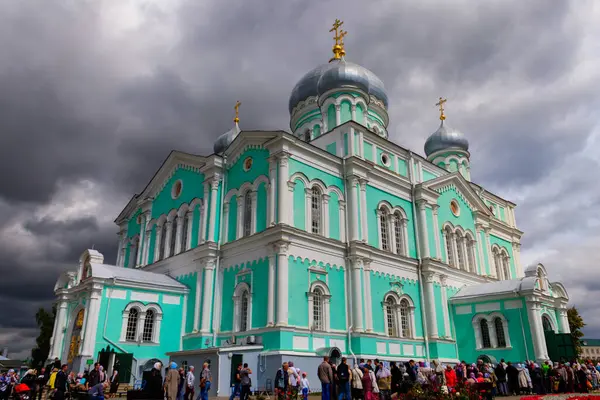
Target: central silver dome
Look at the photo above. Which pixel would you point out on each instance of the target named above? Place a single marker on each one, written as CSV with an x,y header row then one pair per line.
x,y
445,138
337,74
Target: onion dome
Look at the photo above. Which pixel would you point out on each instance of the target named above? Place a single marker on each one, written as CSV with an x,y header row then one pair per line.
x,y
445,138
223,141
307,86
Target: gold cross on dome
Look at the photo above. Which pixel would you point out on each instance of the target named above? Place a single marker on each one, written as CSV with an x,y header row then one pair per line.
x,y
237,111
338,47
441,105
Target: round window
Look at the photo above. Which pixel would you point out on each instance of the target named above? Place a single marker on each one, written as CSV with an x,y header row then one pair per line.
x,y
176,190
385,159
247,164
455,208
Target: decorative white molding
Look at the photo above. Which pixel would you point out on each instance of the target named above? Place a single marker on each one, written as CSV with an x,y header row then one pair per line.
x,y
146,297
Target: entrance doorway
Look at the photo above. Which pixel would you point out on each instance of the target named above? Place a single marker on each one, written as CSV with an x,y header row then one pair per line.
x,y
236,359
75,342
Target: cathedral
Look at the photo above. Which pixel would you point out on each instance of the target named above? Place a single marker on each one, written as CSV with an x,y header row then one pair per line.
x,y
329,239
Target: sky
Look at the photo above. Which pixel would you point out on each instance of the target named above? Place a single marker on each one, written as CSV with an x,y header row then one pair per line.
x,y
94,94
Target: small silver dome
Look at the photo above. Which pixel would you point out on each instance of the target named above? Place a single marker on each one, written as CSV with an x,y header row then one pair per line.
x,y
337,74
223,141
445,138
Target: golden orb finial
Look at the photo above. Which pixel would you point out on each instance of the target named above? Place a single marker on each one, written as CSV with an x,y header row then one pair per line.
x,y
440,104
237,111
338,47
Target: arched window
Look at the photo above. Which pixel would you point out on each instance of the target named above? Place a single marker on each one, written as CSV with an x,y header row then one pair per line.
x,y
147,334
244,312
318,309
163,238
546,323
449,248
485,334
184,233
132,322
316,200
385,243
392,320
460,255
134,253
247,216
405,323
173,236
499,327
399,234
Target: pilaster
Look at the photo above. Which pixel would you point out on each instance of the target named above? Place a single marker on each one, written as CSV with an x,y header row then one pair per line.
x,y
189,218
209,269
214,187
423,236
353,202
432,328
91,323
446,314
271,291
367,297
342,217
281,248
537,330
283,190
325,215
436,231
357,267
271,198
204,214
363,210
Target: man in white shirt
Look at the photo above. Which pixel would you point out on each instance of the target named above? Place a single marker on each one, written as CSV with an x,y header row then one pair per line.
x,y
189,382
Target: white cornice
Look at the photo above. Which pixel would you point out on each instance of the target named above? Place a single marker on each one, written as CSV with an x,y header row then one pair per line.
x,y
456,179
456,277
184,263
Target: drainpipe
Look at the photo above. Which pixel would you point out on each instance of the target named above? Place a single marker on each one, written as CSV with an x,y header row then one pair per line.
x,y
350,311
419,260
217,266
104,331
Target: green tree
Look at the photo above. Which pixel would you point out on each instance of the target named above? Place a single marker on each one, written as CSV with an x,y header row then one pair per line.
x,y
45,322
575,325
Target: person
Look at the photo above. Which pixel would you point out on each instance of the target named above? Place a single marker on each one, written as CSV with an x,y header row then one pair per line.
x,y
60,383
172,382
189,382
94,375
384,381
57,364
205,381
236,391
357,388
343,378
51,380
245,382
512,376
396,377
282,382
325,374
367,383
4,386
42,379
30,379
182,384
501,376
451,378
96,392
305,386
114,383
154,384
294,374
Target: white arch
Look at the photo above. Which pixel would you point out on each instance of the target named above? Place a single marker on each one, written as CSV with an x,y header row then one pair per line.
x,y
182,210
552,322
171,215
196,202
261,179
71,326
398,300
237,307
247,186
231,193
135,304
318,184
385,206
336,190
326,297
142,310
301,177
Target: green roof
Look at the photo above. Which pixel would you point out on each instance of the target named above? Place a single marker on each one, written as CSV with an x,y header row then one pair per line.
x,y
590,342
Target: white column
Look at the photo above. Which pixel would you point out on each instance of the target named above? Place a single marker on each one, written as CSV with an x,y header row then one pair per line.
x,y
167,241
158,243
367,297
290,200
537,331
146,247
254,198
271,292
198,302
281,249
446,314
272,186
454,244
430,305
363,210
480,257
436,231
209,270
466,261
361,142
324,118
342,217
353,202
488,249
357,266
178,233
120,236
517,259
325,211
241,204
351,149
338,115
189,218
353,108
203,215
91,322
424,237
142,242
59,329
282,188
214,187
564,321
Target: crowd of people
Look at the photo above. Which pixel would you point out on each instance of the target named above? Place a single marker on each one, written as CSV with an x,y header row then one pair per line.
x,y
177,384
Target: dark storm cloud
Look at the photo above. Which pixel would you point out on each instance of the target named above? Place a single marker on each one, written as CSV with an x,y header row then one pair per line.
x,y
90,93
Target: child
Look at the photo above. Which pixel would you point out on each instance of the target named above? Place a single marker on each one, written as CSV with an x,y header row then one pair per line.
x,y
305,386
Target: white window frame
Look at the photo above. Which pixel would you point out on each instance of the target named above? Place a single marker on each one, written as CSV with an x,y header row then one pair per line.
x,y
326,305
142,309
237,307
389,213
489,318
411,314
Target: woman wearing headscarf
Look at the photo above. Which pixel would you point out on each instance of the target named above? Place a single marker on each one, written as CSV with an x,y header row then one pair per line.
x,y
172,382
367,384
438,370
154,385
29,379
384,381
450,377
